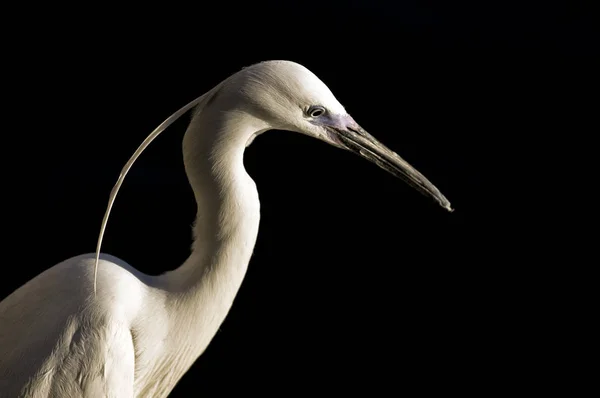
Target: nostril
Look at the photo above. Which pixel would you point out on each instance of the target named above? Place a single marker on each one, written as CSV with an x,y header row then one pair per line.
x,y
354,130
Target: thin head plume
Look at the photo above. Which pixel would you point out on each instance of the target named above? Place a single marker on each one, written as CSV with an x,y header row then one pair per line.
x,y
113,194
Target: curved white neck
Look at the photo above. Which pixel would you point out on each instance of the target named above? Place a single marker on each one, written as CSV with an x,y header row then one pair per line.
x,y
201,291
228,209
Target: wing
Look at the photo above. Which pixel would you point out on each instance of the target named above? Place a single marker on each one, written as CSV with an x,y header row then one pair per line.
x,y
86,361
56,343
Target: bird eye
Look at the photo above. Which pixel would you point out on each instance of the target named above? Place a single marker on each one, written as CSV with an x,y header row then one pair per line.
x,y
316,111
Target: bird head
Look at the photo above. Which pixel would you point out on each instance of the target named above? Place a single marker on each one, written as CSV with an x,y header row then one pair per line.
x,y
288,96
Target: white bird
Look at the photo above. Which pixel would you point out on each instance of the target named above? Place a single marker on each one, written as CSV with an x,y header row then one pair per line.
x,y
139,334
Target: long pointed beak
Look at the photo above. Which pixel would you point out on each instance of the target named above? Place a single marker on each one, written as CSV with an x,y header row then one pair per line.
x,y
355,139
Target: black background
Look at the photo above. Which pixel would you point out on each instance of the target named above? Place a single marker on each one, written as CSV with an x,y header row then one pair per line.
x,y
358,283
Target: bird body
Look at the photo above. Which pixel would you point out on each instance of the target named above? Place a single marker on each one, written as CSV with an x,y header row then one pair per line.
x,y
130,340
137,335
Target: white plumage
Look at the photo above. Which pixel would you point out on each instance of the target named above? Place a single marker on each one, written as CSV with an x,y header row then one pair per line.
x,y
139,334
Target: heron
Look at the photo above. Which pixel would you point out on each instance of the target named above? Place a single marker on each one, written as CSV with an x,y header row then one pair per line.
x,y
94,326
